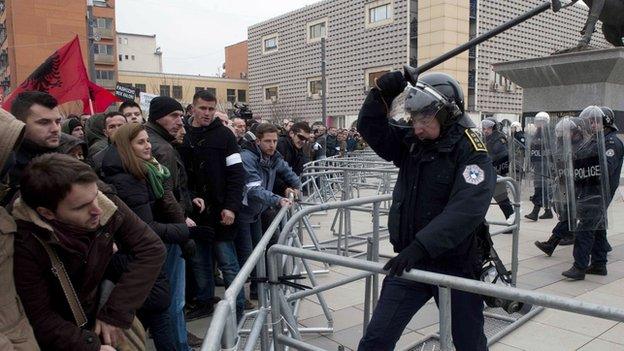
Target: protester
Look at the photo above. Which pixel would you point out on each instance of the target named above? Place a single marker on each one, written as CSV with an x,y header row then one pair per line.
x,y
76,224
42,134
263,165
132,111
291,149
240,128
72,126
15,330
216,174
112,121
332,145
138,179
163,125
72,146
320,142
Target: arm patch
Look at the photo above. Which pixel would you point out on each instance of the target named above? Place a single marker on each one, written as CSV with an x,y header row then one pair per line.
x,y
476,142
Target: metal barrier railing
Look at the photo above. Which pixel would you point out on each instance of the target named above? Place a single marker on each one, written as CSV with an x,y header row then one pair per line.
x,y
445,284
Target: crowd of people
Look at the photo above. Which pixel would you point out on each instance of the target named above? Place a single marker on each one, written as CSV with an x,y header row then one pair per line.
x,y
116,219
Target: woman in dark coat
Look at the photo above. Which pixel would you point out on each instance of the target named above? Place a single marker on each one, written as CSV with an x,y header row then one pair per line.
x,y
138,178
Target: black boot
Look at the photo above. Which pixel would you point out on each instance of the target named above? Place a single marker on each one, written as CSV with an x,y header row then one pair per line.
x,y
549,246
574,273
533,215
597,269
568,240
547,214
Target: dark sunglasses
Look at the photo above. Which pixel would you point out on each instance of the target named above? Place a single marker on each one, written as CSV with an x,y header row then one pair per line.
x,y
302,137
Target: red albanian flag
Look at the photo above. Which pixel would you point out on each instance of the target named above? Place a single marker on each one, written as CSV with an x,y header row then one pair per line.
x,y
100,98
63,75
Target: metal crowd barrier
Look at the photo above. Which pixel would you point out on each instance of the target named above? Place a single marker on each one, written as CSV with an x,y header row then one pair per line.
x,y
274,324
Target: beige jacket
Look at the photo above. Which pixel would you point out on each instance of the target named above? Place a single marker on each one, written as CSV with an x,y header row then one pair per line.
x,y
15,331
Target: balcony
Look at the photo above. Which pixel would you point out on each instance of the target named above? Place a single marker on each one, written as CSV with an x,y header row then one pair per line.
x,y
104,59
103,33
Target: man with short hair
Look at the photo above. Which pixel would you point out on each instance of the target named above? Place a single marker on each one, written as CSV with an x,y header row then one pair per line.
x,y
39,112
319,148
132,111
112,122
291,149
216,174
163,126
332,146
77,224
263,165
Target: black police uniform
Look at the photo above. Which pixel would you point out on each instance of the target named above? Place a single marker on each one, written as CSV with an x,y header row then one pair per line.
x,y
539,164
615,154
440,199
499,152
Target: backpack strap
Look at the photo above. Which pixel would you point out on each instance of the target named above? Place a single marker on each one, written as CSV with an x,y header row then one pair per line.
x,y
68,289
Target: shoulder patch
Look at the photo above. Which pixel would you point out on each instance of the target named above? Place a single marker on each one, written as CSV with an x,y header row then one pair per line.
x,y
473,174
610,153
476,142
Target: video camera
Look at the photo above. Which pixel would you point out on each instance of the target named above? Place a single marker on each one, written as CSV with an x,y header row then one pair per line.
x,y
242,111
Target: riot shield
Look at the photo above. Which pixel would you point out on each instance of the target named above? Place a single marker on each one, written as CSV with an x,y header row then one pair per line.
x,y
517,154
536,182
585,173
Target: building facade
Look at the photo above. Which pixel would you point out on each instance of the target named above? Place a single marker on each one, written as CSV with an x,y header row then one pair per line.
x,y
364,39
182,87
139,53
235,65
30,31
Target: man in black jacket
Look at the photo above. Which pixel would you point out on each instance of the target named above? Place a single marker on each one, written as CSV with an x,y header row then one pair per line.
x,y
440,199
216,174
291,148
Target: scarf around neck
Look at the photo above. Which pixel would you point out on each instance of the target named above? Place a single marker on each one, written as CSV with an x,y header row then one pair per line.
x,y
156,175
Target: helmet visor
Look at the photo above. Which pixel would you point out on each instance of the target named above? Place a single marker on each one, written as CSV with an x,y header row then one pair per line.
x,y
423,103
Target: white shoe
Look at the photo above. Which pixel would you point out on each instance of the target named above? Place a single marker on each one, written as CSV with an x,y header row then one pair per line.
x,y
511,218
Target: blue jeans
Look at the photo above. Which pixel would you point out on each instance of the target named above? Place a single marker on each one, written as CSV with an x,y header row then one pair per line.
x,y
160,328
174,266
400,299
249,234
225,254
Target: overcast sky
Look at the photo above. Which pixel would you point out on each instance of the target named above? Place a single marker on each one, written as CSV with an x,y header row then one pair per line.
x,y
194,33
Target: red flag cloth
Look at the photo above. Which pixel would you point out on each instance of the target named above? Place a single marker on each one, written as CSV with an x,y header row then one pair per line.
x,y
63,75
100,98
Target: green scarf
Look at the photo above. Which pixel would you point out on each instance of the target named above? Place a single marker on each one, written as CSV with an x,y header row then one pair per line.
x,y
156,174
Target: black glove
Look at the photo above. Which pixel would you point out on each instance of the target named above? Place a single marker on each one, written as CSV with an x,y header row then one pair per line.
x,y
188,249
391,84
202,233
406,259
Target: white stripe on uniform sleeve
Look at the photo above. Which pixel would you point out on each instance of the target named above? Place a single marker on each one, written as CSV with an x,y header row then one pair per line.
x,y
233,159
254,184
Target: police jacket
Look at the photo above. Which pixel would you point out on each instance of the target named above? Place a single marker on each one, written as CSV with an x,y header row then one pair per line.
x,y
215,172
260,179
615,154
498,149
443,190
295,158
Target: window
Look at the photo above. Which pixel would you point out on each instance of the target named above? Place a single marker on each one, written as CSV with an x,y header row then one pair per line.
x,y
101,49
317,30
100,3
119,40
132,57
140,87
269,43
270,94
212,91
105,75
102,22
125,41
315,87
198,89
242,95
120,57
231,95
372,74
126,57
379,13
177,92
165,90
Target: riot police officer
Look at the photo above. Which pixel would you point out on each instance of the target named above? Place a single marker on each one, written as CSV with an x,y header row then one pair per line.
x,y
498,149
440,199
541,194
614,150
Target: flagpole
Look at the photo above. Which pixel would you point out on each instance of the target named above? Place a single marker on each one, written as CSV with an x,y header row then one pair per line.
x,y
91,106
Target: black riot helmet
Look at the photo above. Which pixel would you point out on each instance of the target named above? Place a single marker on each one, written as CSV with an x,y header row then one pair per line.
x,y
608,117
446,96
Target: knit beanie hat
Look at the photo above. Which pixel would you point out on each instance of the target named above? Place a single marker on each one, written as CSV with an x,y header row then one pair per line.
x,y
72,123
161,106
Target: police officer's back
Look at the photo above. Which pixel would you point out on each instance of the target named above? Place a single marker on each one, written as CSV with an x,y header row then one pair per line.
x,y
442,194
